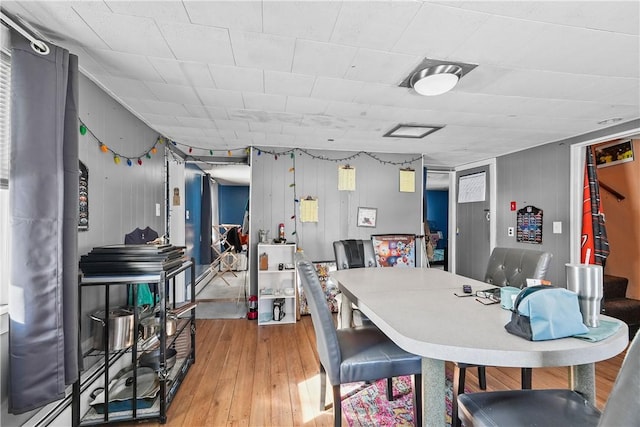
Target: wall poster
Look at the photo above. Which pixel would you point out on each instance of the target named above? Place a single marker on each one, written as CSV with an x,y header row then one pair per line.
x,y
529,228
395,250
83,198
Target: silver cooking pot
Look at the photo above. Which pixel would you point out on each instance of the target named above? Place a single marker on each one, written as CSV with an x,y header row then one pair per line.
x,y
121,329
150,326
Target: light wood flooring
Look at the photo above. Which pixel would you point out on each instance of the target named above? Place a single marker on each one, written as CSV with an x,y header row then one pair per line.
x,y
247,375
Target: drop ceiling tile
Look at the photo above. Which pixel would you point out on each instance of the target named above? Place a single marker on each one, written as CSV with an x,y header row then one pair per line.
x,y
258,50
197,74
173,93
507,37
126,87
280,140
159,10
260,101
198,43
265,117
306,105
160,120
375,25
225,125
381,67
165,108
237,78
169,69
265,127
430,33
335,89
281,83
57,21
220,98
347,109
322,59
237,15
124,33
196,122
183,131
125,65
213,112
227,134
302,20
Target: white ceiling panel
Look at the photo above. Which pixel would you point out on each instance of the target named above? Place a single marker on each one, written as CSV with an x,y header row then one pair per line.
x,y
322,59
257,50
198,43
220,74
237,78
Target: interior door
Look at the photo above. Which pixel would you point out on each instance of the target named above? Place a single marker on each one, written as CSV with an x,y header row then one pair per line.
x,y
473,228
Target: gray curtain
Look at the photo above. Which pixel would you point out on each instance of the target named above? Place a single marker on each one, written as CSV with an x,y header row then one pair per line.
x,y
43,187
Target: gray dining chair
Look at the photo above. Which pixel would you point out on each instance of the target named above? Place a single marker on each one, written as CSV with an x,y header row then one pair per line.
x,y
354,253
558,407
506,267
356,354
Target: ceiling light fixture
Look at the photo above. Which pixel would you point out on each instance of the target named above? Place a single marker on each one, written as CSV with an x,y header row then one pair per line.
x,y
436,80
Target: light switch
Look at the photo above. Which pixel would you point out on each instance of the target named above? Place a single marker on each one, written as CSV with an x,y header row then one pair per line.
x,y
186,214
157,213
557,227
510,231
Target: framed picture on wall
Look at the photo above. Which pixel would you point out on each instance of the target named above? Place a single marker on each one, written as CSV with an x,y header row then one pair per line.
x,y
367,217
614,153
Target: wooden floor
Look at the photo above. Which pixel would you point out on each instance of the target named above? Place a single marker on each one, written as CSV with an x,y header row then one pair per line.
x,y
247,375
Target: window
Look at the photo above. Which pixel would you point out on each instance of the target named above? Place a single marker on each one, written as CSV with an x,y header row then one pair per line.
x,y
5,140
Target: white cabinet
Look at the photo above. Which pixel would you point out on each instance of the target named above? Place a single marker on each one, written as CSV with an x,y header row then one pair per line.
x,y
276,284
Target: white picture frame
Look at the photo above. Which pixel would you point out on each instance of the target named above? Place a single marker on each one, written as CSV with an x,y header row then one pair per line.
x,y
367,217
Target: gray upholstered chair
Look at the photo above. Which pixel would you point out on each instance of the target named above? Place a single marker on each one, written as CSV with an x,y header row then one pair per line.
x,y
353,354
558,407
506,267
353,253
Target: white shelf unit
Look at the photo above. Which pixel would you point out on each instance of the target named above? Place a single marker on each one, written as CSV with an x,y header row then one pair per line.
x,y
273,282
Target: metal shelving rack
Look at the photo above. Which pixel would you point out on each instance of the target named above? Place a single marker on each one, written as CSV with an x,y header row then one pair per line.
x,y
169,379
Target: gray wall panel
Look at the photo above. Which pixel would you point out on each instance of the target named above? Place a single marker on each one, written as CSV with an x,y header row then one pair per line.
x,y
377,186
538,177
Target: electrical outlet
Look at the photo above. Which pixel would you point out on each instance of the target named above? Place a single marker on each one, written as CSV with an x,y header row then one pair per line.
x,y
557,227
511,231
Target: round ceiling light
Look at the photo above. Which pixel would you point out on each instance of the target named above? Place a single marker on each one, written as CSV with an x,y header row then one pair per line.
x,y
436,80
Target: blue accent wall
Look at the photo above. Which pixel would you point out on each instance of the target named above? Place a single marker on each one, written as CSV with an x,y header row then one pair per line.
x,y
232,202
438,213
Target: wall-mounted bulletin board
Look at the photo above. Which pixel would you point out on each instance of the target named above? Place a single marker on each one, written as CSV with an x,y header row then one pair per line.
x,y
529,228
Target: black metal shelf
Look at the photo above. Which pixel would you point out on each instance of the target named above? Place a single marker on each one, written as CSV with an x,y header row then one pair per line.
x,y
183,340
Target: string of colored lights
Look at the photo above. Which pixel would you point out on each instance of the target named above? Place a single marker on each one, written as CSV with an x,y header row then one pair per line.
x,y
117,157
293,151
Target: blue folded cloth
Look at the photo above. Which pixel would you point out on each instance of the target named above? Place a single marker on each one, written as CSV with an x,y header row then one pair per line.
x,y
605,330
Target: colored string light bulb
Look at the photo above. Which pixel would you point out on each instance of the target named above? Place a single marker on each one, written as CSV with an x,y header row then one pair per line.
x,y
116,160
104,148
148,155
292,169
174,143
129,163
293,155
229,153
211,152
154,150
190,150
140,162
83,129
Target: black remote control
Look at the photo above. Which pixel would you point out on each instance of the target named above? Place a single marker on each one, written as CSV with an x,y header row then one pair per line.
x,y
466,289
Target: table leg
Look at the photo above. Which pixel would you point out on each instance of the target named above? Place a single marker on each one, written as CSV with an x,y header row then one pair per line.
x,y
433,384
346,312
583,380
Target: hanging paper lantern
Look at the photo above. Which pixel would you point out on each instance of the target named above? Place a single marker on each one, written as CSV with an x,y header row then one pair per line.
x,y
83,130
129,163
154,150
104,148
116,160
140,162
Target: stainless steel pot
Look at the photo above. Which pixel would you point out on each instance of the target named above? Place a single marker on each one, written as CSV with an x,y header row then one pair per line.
x,y
121,329
151,325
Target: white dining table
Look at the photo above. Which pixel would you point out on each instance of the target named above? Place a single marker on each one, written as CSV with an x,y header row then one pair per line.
x,y
417,308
